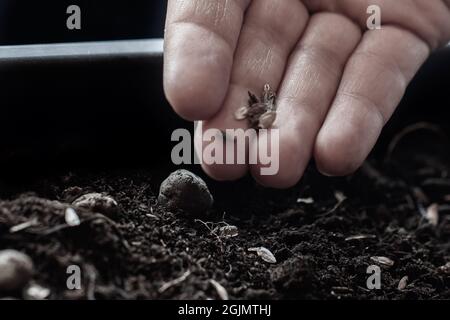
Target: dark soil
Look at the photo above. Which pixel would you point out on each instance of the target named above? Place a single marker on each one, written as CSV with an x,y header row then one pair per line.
x,y
138,253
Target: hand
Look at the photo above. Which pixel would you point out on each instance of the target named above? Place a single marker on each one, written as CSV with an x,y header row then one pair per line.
x,y
337,82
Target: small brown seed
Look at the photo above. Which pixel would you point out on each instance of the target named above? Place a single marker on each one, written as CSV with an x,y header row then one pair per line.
x,y
228,231
97,202
267,119
241,113
16,270
383,261
264,253
403,283
432,214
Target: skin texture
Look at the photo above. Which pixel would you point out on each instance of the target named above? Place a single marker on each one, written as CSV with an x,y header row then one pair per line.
x,y
337,82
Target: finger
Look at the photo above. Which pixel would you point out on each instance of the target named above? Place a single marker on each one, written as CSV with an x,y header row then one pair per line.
x,y
431,18
269,33
200,41
308,88
373,84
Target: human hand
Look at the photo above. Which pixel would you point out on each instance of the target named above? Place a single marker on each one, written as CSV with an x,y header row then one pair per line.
x,y
337,82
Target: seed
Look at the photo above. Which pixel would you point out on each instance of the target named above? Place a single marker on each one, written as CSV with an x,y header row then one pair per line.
x,y
264,253
221,291
383,261
97,202
403,283
241,113
185,191
16,269
432,214
36,292
228,231
267,119
71,217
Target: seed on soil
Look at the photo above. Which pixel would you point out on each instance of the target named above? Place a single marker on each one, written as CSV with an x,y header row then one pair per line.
x,y
403,283
228,231
267,119
305,200
361,237
221,291
264,253
16,270
432,214
185,191
99,203
36,292
383,261
71,217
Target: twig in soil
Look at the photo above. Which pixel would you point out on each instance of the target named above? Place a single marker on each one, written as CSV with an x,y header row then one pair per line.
x,y
221,291
361,237
25,225
174,282
410,129
92,277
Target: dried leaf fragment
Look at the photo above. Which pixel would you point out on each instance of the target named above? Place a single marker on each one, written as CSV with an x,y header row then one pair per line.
x,y
264,253
383,261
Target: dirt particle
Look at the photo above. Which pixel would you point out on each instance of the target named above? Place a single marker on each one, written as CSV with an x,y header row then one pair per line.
x,y
16,269
445,269
185,191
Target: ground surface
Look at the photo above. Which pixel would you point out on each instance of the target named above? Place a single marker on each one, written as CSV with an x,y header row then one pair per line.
x,y
140,252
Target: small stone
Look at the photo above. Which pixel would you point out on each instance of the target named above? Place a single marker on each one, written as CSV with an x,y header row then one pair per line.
x,y
16,270
185,191
97,202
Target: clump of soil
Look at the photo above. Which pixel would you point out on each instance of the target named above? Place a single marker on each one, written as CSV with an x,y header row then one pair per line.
x,y
323,233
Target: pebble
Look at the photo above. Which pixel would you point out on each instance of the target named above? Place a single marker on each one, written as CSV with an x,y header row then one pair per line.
x,y
185,191
16,270
97,202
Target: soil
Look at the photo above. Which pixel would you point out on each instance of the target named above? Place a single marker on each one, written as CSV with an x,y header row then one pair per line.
x,y
147,252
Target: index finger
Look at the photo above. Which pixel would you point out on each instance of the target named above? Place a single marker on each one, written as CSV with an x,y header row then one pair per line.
x,y
200,40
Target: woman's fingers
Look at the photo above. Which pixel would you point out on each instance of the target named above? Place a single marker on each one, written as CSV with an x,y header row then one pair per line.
x,y
200,40
308,88
373,84
269,33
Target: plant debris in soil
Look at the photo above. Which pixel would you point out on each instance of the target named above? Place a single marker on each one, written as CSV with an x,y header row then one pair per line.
x,y
314,241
